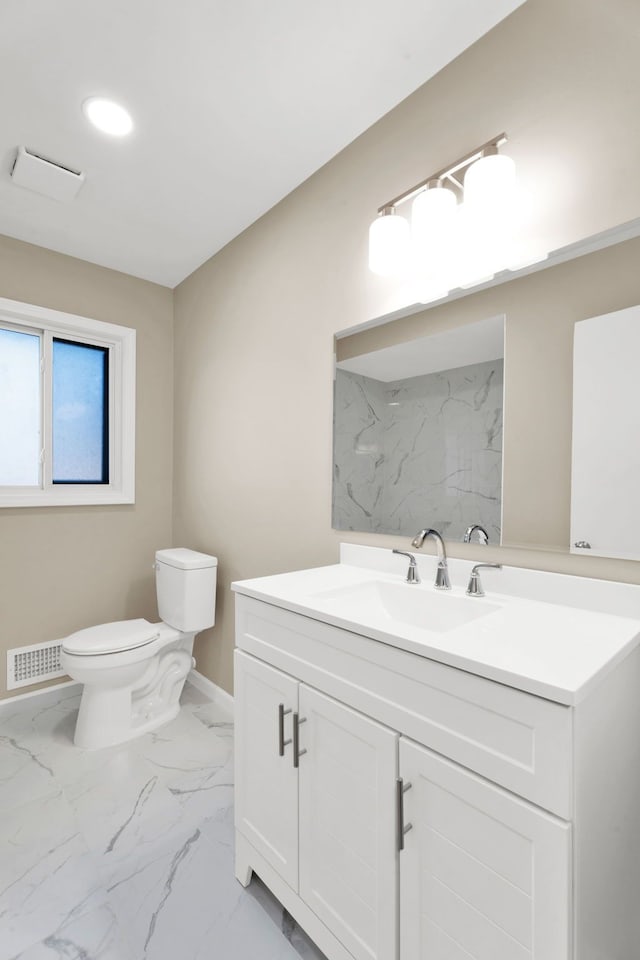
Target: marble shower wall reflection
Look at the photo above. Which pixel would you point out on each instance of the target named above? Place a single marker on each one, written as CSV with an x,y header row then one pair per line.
x,y
426,451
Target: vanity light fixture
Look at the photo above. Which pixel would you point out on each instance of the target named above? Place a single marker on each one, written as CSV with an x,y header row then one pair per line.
x,y
108,116
461,224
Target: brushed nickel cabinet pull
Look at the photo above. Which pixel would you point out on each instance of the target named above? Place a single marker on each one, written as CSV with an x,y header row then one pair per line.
x,y
282,743
297,753
401,789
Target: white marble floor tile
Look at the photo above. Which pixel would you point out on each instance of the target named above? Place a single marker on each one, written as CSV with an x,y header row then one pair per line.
x,y
47,874
23,773
127,853
177,902
121,808
214,716
96,935
196,770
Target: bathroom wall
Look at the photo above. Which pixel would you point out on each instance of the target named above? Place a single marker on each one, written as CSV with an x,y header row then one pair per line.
x,y
64,568
426,446
254,325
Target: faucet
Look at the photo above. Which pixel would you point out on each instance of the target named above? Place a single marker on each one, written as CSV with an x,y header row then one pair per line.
x,y
483,536
442,573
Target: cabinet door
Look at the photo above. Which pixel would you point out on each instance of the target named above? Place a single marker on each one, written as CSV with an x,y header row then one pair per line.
x,y
266,794
348,857
483,875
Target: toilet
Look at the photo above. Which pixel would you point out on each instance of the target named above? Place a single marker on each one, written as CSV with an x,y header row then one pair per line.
x,y
133,671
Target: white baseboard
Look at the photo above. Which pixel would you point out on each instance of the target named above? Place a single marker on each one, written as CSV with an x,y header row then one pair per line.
x,y
211,690
53,688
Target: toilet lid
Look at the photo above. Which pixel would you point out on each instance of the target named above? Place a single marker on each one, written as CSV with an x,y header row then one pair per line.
x,y
111,637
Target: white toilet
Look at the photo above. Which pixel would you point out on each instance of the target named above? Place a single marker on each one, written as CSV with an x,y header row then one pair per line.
x,y
133,671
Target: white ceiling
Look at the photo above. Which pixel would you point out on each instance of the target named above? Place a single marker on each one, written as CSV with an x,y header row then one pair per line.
x,y
235,102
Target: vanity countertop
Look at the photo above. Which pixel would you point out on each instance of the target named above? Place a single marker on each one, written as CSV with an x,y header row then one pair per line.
x,y
552,635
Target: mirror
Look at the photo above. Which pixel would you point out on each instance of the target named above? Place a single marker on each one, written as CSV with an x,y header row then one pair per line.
x,y
418,434
541,304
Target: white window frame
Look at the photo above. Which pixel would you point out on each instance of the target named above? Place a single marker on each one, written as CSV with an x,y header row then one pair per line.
x,y
121,343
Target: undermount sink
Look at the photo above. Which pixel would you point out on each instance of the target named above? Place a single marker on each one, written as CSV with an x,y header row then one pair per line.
x,y
414,605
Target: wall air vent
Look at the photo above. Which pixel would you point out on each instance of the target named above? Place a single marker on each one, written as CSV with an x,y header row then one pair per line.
x,y
40,661
46,177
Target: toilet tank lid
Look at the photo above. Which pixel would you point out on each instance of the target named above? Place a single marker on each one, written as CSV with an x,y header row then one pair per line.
x,y
111,637
185,559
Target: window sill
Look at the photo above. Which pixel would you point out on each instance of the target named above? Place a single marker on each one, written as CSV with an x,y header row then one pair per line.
x,y
75,497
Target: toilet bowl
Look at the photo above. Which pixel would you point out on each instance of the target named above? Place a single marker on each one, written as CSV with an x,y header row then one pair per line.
x,y
133,671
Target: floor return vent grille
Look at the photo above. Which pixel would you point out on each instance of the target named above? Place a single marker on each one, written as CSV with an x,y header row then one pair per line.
x,y
40,661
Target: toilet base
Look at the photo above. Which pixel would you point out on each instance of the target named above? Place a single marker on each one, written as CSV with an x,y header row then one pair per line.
x,y
91,734
110,715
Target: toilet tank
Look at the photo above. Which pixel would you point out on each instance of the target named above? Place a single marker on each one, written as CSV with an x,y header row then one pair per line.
x,y
186,588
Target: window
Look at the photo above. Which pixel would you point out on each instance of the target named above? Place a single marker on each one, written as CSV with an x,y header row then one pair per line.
x,y
67,408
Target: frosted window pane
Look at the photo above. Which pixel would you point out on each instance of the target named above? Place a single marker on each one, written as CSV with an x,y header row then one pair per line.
x,y
80,435
20,443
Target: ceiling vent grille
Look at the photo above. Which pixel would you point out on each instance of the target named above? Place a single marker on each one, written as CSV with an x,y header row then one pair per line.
x,y
40,661
47,177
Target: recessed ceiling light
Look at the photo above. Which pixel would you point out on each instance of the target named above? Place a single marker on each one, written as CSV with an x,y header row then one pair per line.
x,y
108,116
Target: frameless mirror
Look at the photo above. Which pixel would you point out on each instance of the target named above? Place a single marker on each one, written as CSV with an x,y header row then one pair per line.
x,y
418,434
541,303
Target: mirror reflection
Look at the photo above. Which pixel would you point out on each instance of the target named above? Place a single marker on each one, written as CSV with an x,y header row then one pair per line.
x,y
418,435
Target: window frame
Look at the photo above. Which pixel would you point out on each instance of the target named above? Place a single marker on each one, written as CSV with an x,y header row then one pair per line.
x,y
121,344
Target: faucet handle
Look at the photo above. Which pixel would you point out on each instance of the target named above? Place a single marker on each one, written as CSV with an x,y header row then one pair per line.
x,y
412,573
475,586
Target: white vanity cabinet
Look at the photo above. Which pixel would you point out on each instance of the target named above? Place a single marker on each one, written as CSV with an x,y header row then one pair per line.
x,y
482,873
315,795
430,813
266,802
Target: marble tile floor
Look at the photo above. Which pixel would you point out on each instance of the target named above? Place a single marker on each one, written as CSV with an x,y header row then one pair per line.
x,y
127,853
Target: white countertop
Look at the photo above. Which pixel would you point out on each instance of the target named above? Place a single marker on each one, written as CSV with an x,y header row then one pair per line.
x,y
543,647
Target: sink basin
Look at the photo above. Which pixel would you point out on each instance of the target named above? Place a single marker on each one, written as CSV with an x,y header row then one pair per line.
x,y
413,605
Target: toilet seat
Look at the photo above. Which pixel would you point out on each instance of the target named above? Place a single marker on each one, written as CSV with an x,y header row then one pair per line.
x,y
108,638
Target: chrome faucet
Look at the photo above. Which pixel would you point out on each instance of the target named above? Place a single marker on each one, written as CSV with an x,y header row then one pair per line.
x,y
442,573
483,536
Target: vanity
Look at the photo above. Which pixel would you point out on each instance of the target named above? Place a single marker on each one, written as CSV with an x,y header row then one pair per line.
x,y
430,775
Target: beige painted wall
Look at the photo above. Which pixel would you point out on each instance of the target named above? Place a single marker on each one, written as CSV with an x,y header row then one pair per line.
x,y
254,325
64,568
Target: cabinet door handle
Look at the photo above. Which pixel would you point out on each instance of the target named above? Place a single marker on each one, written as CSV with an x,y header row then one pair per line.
x,y
282,743
401,789
297,753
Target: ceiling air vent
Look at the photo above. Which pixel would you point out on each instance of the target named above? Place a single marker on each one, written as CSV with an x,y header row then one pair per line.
x,y
44,176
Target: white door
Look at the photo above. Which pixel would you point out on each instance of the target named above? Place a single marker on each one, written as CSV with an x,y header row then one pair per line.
x,y
348,857
483,874
266,793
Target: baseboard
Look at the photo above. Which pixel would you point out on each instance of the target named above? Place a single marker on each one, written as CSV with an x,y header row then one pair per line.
x,y
200,682
211,690
52,688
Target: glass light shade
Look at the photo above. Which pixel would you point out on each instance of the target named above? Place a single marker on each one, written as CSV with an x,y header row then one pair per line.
x,y
108,116
389,245
432,214
433,218
490,183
